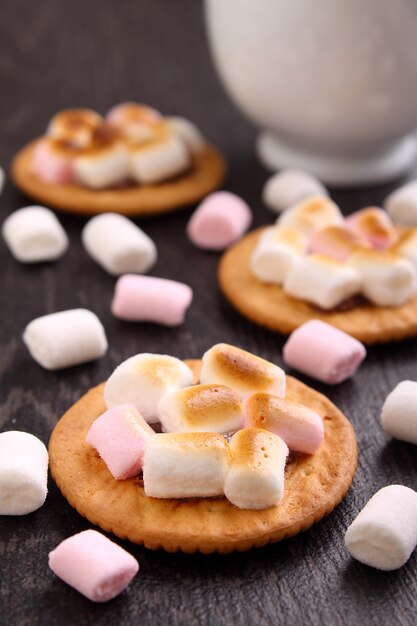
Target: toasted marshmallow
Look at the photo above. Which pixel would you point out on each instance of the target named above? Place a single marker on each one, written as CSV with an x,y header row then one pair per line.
x,y
374,225
401,204
387,278
322,281
53,160
311,214
276,252
143,379
189,133
407,245
104,162
201,408
255,479
75,126
288,187
134,120
299,426
242,371
336,242
163,156
185,465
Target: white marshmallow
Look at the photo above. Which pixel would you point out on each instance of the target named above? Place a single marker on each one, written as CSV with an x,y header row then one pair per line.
x,y
276,252
118,245
143,380
312,214
185,465
387,279
2,179
401,204
242,371
103,163
384,534
23,473
34,234
76,126
407,245
399,412
322,281
201,408
188,132
288,187
66,338
255,479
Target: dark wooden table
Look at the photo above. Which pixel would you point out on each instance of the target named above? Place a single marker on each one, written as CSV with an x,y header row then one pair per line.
x,y
56,54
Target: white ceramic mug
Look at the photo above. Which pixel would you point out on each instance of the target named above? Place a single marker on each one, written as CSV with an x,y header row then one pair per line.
x,y
331,83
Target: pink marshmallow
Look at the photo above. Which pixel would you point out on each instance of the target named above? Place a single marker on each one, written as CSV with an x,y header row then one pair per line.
x,y
149,299
336,242
299,426
375,226
119,435
93,565
219,220
323,352
53,162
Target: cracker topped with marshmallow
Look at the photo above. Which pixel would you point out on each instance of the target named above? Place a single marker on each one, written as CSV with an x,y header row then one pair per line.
x,y
210,455
132,161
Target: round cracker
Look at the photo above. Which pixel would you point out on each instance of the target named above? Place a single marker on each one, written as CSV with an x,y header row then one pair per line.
x,y
268,305
314,485
207,174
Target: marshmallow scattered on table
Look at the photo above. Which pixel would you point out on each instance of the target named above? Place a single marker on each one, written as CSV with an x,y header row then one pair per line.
x,y
311,214
255,479
201,408
134,120
118,245
34,234
23,473
66,338
150,299
74,126
323,281
242,371
399,412
104,162
299,426
384,534
219,220
93,565
185,465
53,160
143,380
401,204
276,252
119,435
288,187
336,242
374,225
387,278
188,132
323,352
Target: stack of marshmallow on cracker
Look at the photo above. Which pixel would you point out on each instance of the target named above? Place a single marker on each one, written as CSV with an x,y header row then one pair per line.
x,y
227,435
132,143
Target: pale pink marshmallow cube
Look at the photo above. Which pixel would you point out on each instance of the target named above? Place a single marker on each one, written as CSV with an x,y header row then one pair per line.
x,y
53,162
93,565
150,299
323,352
119,435
375,225
219,220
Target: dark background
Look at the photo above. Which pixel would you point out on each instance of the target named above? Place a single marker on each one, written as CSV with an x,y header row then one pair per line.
x,y
56,54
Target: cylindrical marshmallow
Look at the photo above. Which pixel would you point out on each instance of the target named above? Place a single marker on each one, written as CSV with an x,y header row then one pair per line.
x,y
23,473
143,380
134,120
373,224
323,352
150,299
201,408
75,126
185,465
399,412
104,162
401,204
311,214
66,338
384,534
118,245
93,565
119,435
53,160
336,242
255,479
220,219
188,132
288,187
276,252
407,245
34,234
